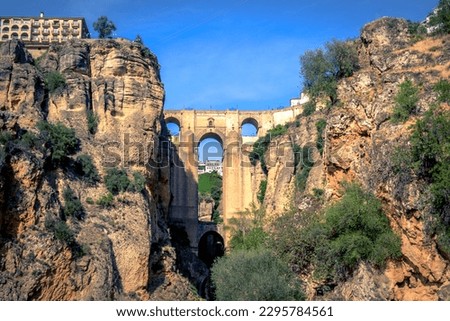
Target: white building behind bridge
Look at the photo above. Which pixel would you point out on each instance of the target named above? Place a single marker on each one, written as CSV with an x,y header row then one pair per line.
x,y
210,166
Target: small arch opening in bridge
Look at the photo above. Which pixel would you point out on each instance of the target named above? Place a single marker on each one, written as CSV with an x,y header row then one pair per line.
x,y
174,126
210,247
249,127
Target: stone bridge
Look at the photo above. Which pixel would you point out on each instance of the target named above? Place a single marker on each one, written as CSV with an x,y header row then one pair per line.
x,y
238,174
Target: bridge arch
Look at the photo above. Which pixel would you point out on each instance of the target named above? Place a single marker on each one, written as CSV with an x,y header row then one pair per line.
x,y
249,127
173,125
211,246
216,134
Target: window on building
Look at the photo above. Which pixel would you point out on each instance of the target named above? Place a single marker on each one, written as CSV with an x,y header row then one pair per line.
x,y
24,36
15,28
5,29
5,37
14,35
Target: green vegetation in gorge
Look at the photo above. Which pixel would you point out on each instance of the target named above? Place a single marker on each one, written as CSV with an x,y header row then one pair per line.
x,y
254,275
352,230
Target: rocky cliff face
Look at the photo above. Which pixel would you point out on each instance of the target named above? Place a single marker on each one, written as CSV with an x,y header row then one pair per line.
x,y
359,144
113,99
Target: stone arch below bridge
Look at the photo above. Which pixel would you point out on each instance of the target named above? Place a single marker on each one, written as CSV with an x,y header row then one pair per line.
x,y
210,246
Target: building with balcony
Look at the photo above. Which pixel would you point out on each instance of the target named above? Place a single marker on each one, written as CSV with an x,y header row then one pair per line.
x,y
39,32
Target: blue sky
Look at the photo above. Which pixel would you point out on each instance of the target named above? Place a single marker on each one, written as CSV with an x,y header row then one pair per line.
x,y
229,54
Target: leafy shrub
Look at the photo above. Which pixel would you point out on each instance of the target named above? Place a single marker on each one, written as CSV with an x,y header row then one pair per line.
x,y
253,276
405,101
352,230
417,31
89,200
61,140
87,169
247,228
72,205
116,180
320,126
106,201
63,233
5,137
262,191
278,130
259,149
92,119
248,240
318,193
54,80
309,108
430,156
443,89
261,146
138,184
30,140
301,176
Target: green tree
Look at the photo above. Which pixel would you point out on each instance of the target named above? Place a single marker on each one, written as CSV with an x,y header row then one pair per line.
x,y
321,69
255,275
60,139
442,88
440,18
86,168
116,180
54,80
405,101
104,27
139,40
106,201
72,206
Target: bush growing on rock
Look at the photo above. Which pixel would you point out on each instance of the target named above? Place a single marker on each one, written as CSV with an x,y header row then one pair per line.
x,y
405,101
54,81
87,169
352,230
72,205
61,140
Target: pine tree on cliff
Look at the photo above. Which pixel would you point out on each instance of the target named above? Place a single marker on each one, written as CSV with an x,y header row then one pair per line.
x,y
104,27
